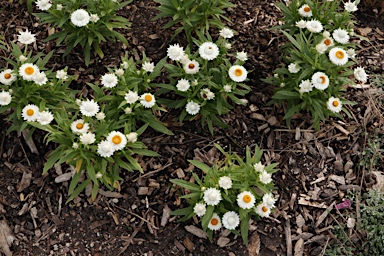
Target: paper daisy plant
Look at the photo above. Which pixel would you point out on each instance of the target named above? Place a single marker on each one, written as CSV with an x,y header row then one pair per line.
x,y
229,193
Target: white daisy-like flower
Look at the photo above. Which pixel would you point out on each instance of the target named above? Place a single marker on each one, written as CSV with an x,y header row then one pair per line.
x,y
212,196
26,37
131,97
109,80
7,77
301,24
132,137
87,138
175,52
237,73
44,117
208,51
259,167
328,41
30,112
305,11
148,66
215,222
94,18
59,7
147,100
43,5
105,148
241,56
191,67
360,74
321,48
80,18
22,58
351,53
338,56
28,71
100,116
334,104
199,209
269,200
40,78
89,107
263,210
225,182
75,145
305,86
184,59
118,140
320,81
79,126
125,65
246,200
207,94
119,72
62,75
192,108
227,88
314,26
341,36
293,68
350,6
265,177
127,110
231,220
183,85
326,34
226,33
5,98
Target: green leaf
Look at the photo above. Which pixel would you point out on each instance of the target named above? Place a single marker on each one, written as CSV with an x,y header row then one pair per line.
x,y
202,166
78,190
186,184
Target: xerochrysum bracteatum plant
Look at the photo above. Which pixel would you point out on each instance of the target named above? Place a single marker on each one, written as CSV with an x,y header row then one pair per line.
x,y
83,22
208,83
318,59
229,193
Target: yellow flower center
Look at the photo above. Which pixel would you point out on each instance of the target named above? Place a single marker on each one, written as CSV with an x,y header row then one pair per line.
x,y
335,103
7,75
238,72
116,139
79,126
247,198
327,41
30,112
191,66
29,70
323,79
214,221
339,54
148,98
264,209
307,9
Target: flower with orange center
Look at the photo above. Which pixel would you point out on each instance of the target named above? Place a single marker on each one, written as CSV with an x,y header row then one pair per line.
x,y
79,126
334,104
117,139
7,77
215,222
30,112
147,100
28,71
263,210
246,200
338,56
237,73
305,11
320,80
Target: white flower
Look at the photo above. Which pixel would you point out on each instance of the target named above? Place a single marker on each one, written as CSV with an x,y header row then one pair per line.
x,y
148,66
132,137
334,104
259,167
350,7
28,71
117,139
100,116
228,45
231,220
75,145
43,4
263,210
80,18
192,108
89,107
208,51
61,74
321,48
119,72
237,73
109,80
282,85
87,138
22,58
341,36
131,97
127,110
200,209
183,85
226,33
265,177
320,81
212,196
215,222
44,117
305,86
40,78
191,67
94,18
7,77
105,148
338,56
301,24
328,41
99,175
26,37
243,101
206,94
351,53
305,11
246,200
175,52
59,7
147,100
326,34
241,56
269,200
79,126
184,59
225,182
227,88
30,112
360,74
314,26
5,98
293,68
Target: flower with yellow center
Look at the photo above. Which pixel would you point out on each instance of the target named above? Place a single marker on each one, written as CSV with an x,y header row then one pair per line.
x,y
320,81
334,104
147,100
263,210
215,222
237,73
79,126
28,71
30,113
246,200
117,139
7,77
305,11
338,56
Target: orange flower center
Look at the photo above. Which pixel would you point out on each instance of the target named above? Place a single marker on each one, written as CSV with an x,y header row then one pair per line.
x,y
307,9
238,72
79,126
191,66
264,209
29,70
7,75
340,54
335,103
148,98
247,198
116,139
214,222
30,112
327,41
323,79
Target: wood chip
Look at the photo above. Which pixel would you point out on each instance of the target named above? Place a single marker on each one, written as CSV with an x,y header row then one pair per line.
x,y
196,231
338,179
299,247
6,238
300,221
321,218
254,244
24,182
188,243
166,215
142,191
302,201
223,241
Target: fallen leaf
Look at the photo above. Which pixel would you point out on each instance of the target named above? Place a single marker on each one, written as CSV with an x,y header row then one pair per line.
x,y
6,238
254,245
